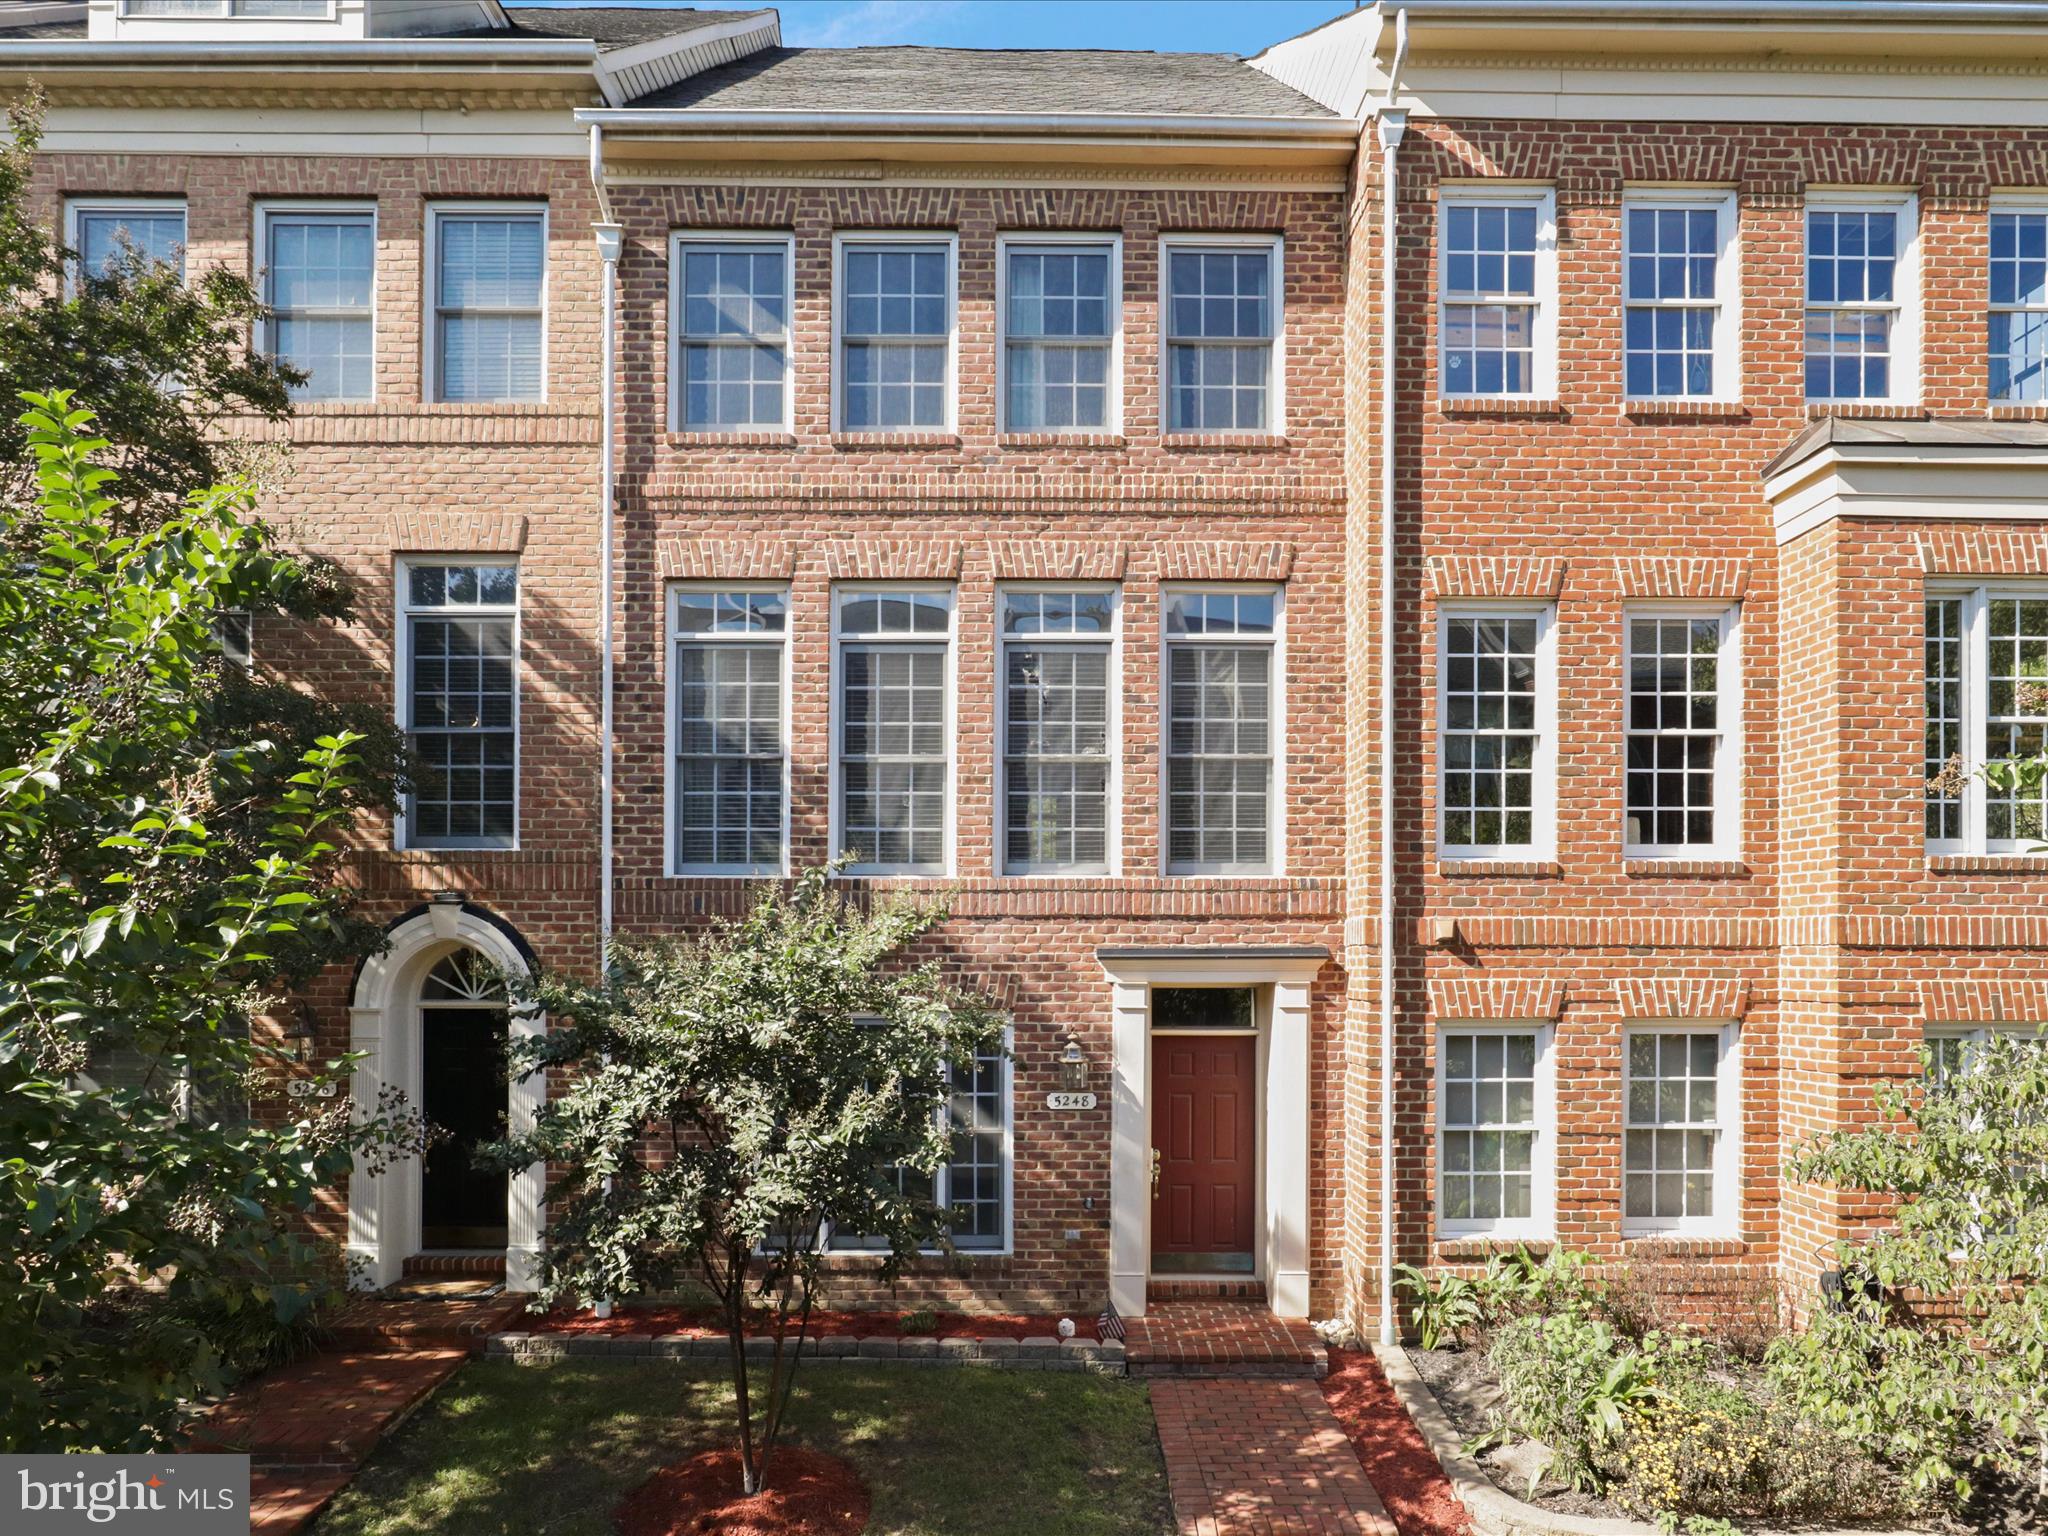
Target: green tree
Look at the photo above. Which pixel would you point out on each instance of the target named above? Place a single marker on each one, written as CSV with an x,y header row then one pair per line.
x,y
160,882
721,1104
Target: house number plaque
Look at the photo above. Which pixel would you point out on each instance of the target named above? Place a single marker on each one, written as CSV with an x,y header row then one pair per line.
x,y
1070,1101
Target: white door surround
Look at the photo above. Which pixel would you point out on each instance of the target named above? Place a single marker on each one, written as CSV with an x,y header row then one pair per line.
x,y
384,1026
1284,1114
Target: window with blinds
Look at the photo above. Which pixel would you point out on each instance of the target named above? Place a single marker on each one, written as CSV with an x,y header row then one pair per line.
x,y
1058,700
1221,681
731,751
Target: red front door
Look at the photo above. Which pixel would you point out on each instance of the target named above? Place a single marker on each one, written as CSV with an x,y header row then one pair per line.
x,y
1203,1092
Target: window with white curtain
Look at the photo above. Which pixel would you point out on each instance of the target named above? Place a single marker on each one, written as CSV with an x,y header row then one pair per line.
x,y
489,269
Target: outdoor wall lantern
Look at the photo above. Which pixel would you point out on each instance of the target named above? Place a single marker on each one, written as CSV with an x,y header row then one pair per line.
x,y
1073,1066
298,1033
444,913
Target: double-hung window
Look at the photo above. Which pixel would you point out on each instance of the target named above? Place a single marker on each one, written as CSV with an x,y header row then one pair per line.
x,y
1951,1047
731,744
1222,730
1223,303
1059,708
731,304
1680,732
319,272
102,229
1862,341
893,762
1986,701
896,302
1679,297
1497,279
1496,733
1059,301
2019,303
1680,1130
488,275
459,700
1496,1151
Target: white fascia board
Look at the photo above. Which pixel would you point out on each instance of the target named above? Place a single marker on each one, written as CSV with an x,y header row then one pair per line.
x,y
1888,481
300,56
654,48
693,120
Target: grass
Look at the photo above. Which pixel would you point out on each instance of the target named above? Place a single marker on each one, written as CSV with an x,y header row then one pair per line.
x,y
549,1450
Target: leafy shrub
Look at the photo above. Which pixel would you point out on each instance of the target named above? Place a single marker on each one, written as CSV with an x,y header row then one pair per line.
x,y
1445,1305
1742,1311
1569,1382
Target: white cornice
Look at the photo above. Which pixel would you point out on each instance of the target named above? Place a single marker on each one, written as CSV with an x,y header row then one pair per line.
x,y
1943,482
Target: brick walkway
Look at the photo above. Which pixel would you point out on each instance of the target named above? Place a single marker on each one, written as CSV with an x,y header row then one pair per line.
x,y
1235,1337
1261,1458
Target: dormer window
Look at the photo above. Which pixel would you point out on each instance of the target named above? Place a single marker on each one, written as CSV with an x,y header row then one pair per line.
x,y
316,10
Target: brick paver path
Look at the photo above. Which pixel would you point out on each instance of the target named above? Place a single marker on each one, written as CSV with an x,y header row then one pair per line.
x,y
1230,1337
1261,1458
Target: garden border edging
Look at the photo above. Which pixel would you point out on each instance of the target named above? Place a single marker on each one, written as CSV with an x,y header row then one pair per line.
x,y
1104,1357
1497,1513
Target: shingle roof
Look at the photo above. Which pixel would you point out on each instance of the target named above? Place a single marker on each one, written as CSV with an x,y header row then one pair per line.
x,y
611,26
1966,432
43,31
986,80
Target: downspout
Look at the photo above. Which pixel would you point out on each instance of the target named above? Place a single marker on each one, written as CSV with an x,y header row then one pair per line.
x,y
610,239
1392,123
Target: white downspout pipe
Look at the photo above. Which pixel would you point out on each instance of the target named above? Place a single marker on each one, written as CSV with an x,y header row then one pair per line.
x,y
610,240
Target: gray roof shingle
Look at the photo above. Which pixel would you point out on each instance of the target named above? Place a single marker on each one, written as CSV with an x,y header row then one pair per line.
x,y
610,26
42,31
986,80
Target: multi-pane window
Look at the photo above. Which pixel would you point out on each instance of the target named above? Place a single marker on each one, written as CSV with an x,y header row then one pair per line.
x,y
2019,305
1491,1171
893,759
1223,301
1678,783
1945,755
319,270
1951,1048
731,312
460,697
730,741
1058,666
489,274
895,334
1059,322
1673,280
1494,737
1498,273
102,233
1221,692
1856,342
1677,1169
1986,687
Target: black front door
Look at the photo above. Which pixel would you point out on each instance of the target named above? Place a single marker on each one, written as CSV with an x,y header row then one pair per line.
x,y
462,1091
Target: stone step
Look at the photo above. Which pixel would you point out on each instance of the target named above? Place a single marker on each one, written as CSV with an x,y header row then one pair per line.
x,y
1221,1338
489,1266
1205,1290
372,1323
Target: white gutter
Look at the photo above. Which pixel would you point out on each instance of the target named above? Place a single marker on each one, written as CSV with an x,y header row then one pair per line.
x,y
610,240
382,52
910,124
1849,11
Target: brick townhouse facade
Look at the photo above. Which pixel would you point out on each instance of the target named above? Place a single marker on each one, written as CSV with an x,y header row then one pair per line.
x,y
1001,497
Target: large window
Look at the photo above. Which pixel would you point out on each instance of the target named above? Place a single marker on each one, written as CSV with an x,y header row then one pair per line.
x,y
1223,308
1498,292
1222,726
1683,703
1495,708
1679,286
1951,1047
1495,1112
1986,701
1679,1131
893,758
1861,338
895,333
1059,686
1059,323
731,317
459,700
489,268
2019,304
103,229
319,272
731,753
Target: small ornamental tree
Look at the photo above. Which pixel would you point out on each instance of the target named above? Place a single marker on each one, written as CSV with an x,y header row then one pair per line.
x,y
1936,1359
723,1104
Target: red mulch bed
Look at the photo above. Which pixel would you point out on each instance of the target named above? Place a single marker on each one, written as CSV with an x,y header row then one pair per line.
x,y
1397,1460
709,1322
808,1494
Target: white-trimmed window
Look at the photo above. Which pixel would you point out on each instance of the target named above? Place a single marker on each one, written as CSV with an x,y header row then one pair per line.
x,y
1497,300
1986,701
1496,1137
730,307
1224,301
488,280
1059,660
1496,732
1681,321
235,629
1681,726
287,9
1862,296
893,750
1681,1130
1950,1047
1223,726
1059,301
100,229
2019,302
729,801
894,318
319,279
458,699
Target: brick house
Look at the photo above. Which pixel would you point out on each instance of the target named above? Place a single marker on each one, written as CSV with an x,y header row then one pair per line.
x,y
1002,497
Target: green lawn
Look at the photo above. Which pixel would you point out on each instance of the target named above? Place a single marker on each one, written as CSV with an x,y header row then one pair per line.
x,y
548,1450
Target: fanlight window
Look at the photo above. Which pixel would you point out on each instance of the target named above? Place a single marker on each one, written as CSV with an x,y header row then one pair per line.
x,y
462,977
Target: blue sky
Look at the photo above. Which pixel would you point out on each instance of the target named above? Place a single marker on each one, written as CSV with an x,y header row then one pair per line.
x,y
1202,26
